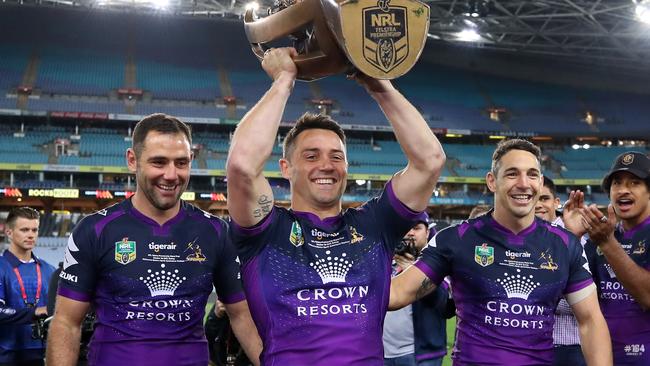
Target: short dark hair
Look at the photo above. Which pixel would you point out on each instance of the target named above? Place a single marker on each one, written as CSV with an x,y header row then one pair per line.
x,y
505,146
310,121
24,212
158,122
548,183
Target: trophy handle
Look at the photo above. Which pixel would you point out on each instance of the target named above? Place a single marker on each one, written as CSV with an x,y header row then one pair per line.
x,y
326,59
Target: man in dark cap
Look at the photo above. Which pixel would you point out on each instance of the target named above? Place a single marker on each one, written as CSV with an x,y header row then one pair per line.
x,y
618,254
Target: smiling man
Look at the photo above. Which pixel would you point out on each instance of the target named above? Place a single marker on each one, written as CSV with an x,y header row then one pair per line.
x,y
508,270
618,253
316,276
147,265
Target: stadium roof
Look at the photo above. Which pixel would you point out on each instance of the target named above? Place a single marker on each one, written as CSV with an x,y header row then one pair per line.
x,y
604,31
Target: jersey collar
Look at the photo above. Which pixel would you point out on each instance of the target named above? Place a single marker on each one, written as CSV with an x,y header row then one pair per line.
x,y
629,233
15,262
158,230
327,223
512,238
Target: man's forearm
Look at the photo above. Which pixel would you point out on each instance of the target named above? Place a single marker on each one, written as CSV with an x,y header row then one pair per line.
x,y
62,344
254,138
248,337
16,316
420,145
596,344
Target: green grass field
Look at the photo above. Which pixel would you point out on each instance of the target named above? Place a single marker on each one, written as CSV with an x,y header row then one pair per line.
x,y
451,333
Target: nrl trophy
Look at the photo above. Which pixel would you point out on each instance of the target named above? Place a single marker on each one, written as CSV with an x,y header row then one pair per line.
x,y
380,38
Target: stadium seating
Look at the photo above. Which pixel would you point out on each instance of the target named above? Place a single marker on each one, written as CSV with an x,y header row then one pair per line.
x,y
105,147
210,59
12,65
79,71
168,81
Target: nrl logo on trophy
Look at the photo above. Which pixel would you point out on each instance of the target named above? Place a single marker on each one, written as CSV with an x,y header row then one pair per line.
x,y
380,38
385,41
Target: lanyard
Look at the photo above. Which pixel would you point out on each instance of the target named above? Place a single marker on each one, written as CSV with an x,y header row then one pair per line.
x,y
22,285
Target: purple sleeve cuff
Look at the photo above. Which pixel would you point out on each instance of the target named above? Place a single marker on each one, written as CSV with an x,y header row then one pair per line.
x,y
233,298
428,272
401,209
577,286
74,295
257,228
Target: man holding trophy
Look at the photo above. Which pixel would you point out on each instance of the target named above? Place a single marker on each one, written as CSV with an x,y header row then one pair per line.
x,y
317,277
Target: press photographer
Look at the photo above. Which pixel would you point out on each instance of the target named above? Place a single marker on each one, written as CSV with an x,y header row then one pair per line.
x,y
416,334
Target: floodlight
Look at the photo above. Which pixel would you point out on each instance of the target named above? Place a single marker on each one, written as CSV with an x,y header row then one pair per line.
x,y
643,12
468,35
160,4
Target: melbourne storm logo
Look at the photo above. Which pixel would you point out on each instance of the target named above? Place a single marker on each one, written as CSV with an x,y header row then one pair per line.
x,y
196,255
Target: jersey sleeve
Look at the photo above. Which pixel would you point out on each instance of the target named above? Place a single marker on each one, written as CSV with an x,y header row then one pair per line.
x,y
227,276
8,314
591,254
579,271
435,261
78,277
249,241
393,217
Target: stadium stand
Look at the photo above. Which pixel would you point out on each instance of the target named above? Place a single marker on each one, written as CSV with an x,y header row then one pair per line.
x,y
211,79
202,71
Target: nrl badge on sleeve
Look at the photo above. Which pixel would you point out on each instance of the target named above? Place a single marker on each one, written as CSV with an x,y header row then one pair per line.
x,y
380,38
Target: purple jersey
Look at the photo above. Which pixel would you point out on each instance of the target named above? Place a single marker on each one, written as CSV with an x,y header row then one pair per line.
x,y
629,324
506,287
318,289
148,283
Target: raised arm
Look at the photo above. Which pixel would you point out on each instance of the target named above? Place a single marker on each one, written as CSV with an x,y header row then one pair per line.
x,y
414,184
409,286
250,197
594,335
65,332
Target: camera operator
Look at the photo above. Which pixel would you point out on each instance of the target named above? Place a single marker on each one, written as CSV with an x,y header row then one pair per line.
x,y
416,334
24,282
